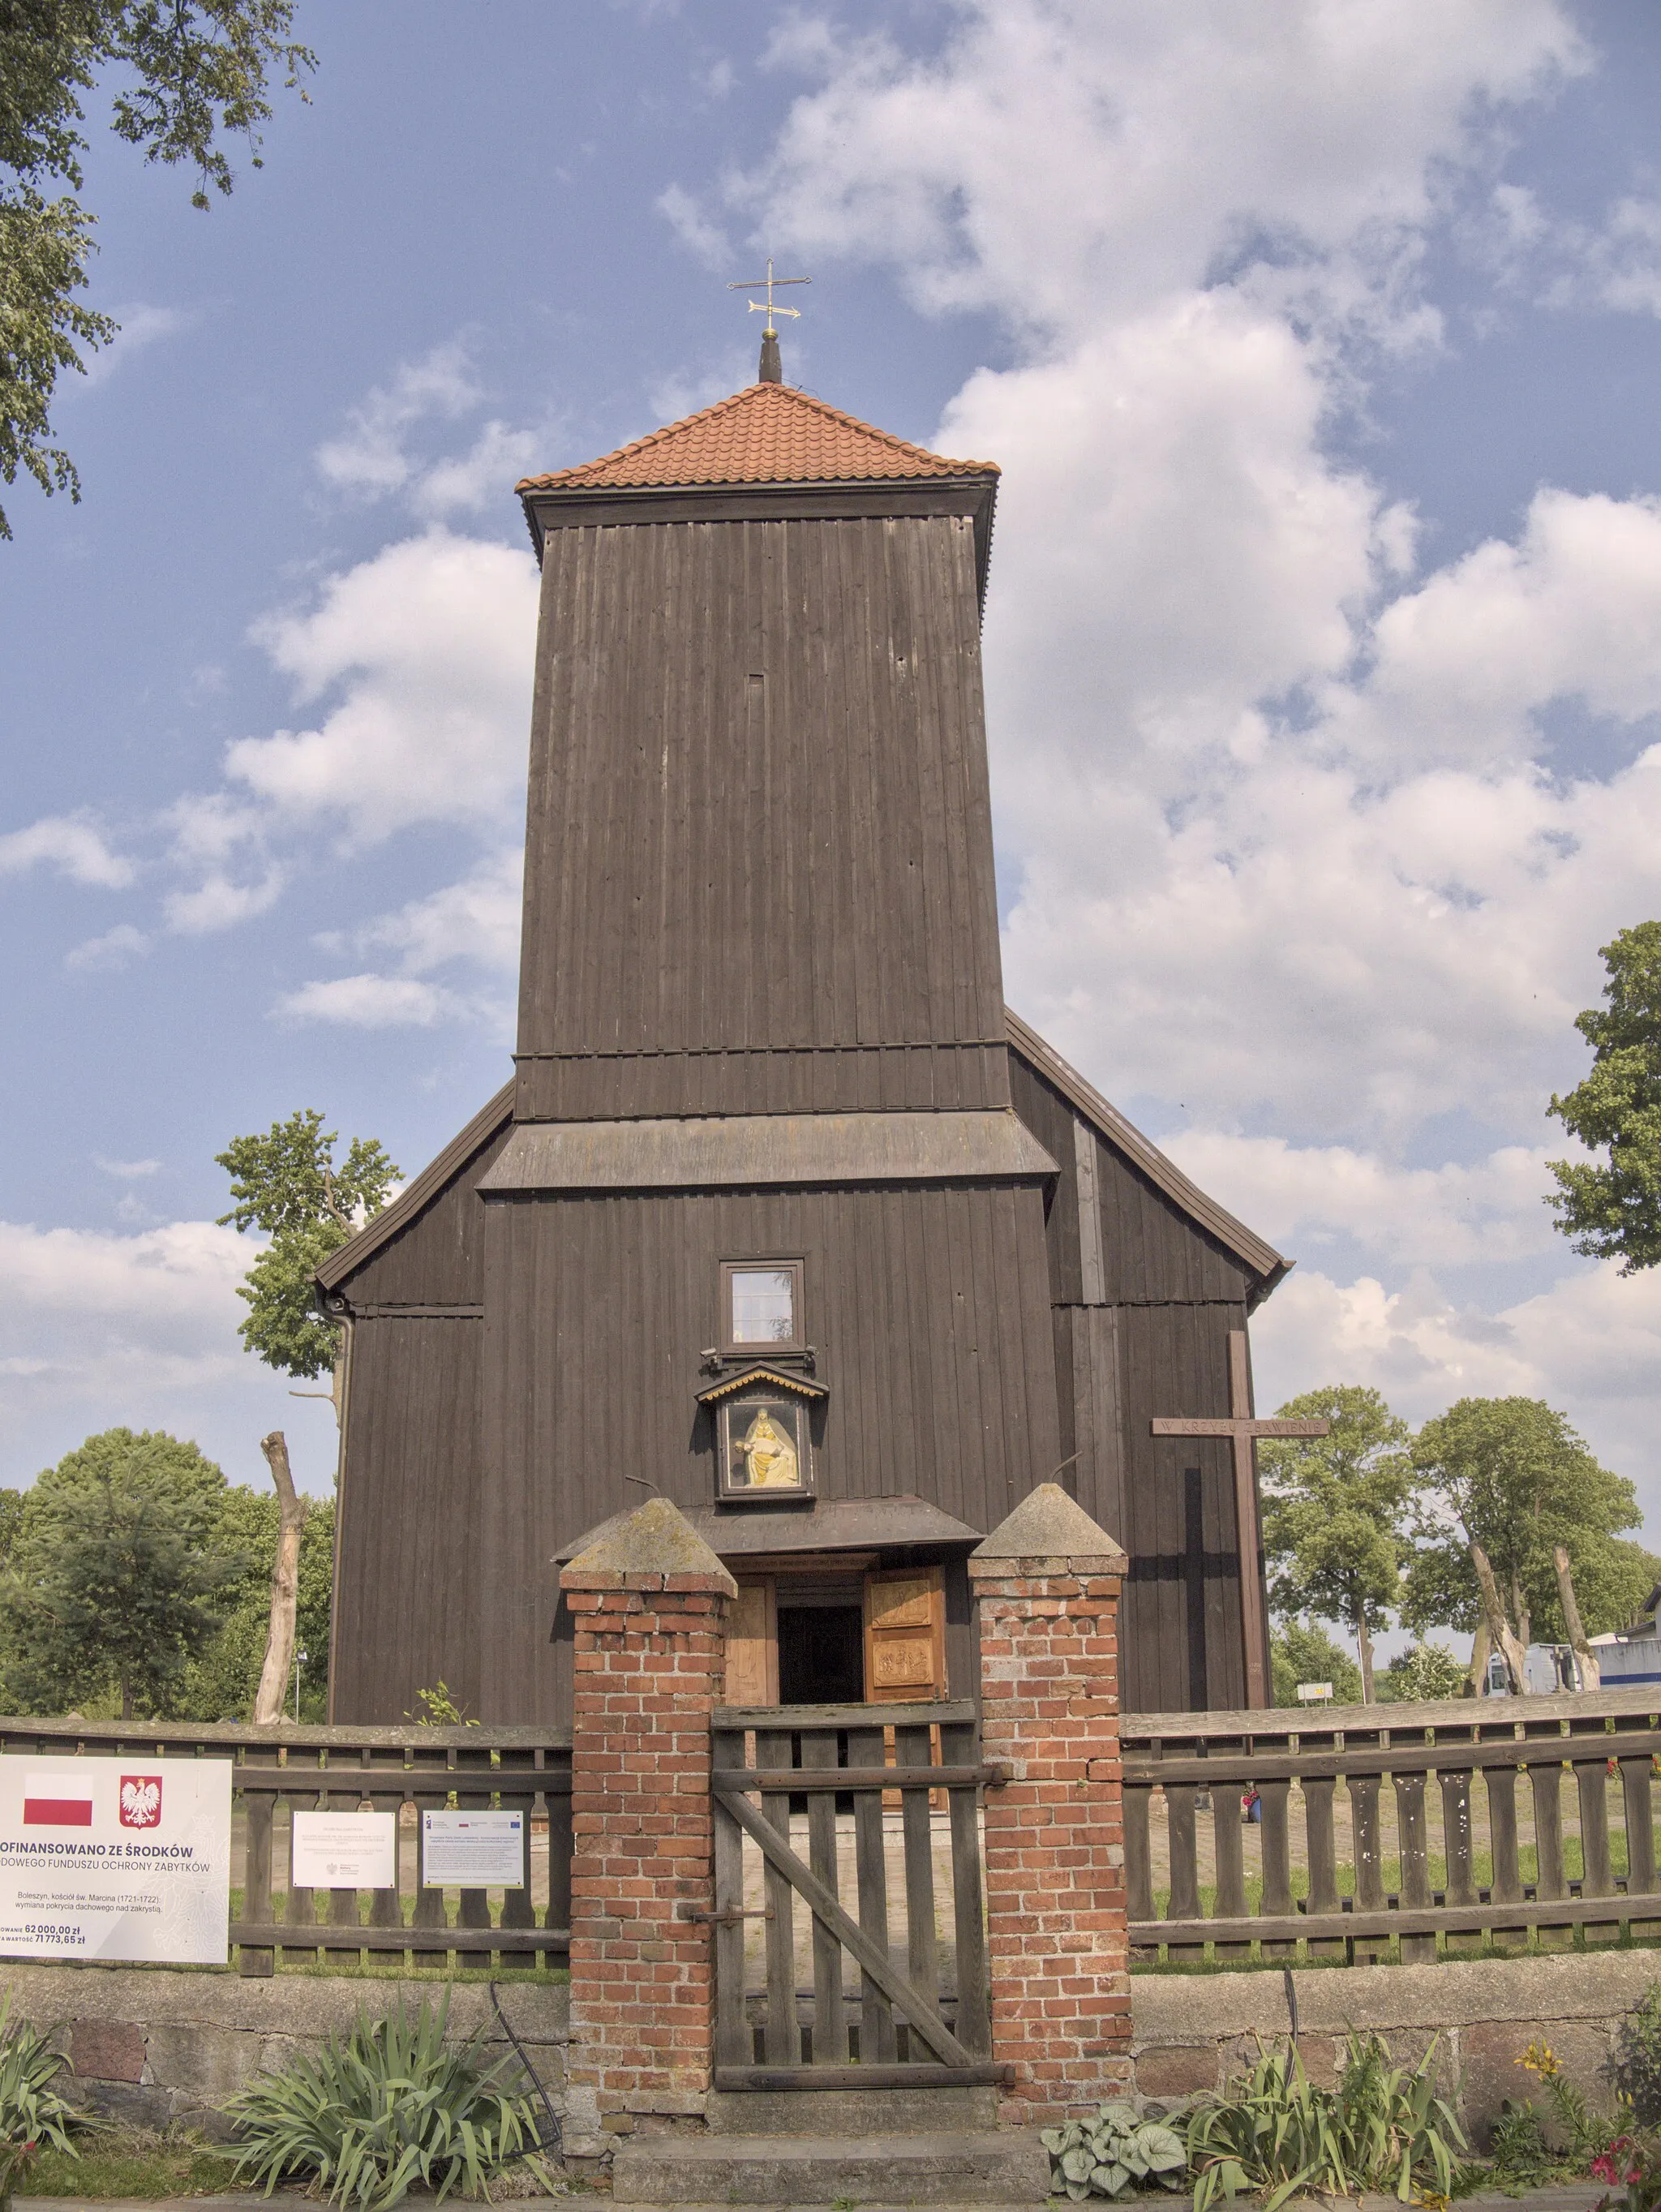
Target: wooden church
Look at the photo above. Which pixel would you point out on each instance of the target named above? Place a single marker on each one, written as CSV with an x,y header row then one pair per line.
x,y
783,1215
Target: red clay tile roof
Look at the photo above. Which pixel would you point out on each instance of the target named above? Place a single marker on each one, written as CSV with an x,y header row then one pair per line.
x,y
766,434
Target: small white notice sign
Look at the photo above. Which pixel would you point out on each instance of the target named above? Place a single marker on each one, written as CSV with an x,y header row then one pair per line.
x,y
116,1858
346,1850
472,1851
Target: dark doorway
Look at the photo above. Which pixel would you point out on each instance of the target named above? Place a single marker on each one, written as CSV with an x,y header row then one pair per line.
x,y
821,1655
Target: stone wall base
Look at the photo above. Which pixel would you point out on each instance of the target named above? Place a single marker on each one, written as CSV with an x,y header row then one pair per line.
x,y
151,2046
1193,2031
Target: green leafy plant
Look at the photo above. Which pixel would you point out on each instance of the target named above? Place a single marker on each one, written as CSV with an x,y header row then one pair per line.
x,y
1635,2071
31,2113
1585,2134
1383,2127
1118,2149
386,2107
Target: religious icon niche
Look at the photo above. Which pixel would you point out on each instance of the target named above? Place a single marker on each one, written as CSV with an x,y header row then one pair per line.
x,y
763,1437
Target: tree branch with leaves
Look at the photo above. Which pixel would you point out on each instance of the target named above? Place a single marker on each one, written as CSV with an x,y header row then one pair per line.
x,y
192,72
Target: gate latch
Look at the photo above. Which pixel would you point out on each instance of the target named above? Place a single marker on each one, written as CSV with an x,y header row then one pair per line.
x,y
725,1919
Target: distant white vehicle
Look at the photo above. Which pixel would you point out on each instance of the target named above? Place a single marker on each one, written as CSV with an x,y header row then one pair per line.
x,y
1547,1668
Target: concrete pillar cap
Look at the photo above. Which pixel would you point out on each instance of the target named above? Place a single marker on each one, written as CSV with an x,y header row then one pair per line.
x,y
1048,1533
656,1538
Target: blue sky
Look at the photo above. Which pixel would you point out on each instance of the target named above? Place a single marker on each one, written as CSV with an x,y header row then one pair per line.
x,y
1318,343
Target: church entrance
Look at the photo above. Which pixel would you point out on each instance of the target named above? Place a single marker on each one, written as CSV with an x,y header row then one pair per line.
x,y
836,1631
822,1653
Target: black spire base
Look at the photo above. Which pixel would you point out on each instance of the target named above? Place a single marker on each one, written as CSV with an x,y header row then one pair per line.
x,y
770,372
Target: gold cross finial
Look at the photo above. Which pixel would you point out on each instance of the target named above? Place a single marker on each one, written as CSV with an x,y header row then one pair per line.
x,y
769,310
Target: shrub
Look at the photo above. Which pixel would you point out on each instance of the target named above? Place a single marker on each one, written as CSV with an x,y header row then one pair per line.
x,y
1636,2069
1383,2128
389,2106
1112,2153
30,2110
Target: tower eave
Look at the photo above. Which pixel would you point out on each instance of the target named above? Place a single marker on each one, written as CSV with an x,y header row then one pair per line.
x,y
584,505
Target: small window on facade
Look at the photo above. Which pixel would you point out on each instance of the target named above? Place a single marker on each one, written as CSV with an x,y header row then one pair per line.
x,y
761,1306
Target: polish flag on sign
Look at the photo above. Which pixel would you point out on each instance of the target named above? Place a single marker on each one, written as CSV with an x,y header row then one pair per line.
x,y
56,1800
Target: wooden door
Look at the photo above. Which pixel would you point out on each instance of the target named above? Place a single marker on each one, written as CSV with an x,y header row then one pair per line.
x,y
753,1645
906,1636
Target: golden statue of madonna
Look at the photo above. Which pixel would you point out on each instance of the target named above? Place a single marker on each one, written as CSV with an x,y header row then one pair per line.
x,y
769,1455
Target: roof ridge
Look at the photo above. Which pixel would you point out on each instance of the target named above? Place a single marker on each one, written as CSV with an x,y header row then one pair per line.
x,y
717,459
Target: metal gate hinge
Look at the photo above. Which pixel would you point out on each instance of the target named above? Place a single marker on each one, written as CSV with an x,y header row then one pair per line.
x,y
725,1919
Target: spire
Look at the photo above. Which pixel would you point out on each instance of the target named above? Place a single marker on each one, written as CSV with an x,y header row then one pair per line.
x,y
770,371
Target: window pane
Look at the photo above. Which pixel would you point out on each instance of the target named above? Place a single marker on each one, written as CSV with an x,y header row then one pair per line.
x,y
763,1306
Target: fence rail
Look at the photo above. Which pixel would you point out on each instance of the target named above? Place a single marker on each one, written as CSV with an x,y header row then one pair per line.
x,y
288,1768
1507,1867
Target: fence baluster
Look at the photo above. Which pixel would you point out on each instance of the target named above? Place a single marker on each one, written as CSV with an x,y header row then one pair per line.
x,y
519,1795
1272,1798
1320,1843
301,1907
1501,1783
1226,1827
387,1905
784,2035
1456,1844
1181,1828
1415,1856
1369,1861
258,1806
876,2037
1138,1863
1545,1784
1591,1783
1636,1777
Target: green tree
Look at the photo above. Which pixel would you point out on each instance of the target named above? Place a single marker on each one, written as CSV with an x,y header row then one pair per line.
x,y
1333,1508
189,73
117,1579
220,1682
1300,1652
1420,1674
286,1182
1508,1481
1614,1211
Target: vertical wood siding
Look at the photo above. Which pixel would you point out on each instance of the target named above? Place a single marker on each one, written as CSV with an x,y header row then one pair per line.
x,y
927,1309
759,822
408,1588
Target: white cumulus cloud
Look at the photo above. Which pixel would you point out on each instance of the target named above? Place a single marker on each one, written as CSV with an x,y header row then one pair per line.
x,y
73,845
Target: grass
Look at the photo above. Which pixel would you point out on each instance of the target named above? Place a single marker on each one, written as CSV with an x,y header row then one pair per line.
x,y
133,2162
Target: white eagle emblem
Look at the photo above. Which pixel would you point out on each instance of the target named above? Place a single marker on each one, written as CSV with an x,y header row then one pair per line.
x,y
140,1801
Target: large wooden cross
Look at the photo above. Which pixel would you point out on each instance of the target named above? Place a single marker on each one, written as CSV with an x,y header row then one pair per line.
x,y
1238,1425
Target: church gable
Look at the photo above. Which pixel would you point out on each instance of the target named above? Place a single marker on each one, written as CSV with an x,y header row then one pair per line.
x,y
1160,1239
426,1248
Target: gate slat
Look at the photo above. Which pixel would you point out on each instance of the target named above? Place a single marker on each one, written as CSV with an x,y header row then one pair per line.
x,y
830,2033
732,2042
870,1957
784,2035
974,2018
876,2037
911,1748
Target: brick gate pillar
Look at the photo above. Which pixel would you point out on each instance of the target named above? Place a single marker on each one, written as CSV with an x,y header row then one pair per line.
x,y
648,1603
1047,1582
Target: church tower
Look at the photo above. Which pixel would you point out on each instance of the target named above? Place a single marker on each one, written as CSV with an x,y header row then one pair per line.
x,y
782,1216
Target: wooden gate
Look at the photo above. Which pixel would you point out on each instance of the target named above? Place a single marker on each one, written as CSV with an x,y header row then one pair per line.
x,y
852,1979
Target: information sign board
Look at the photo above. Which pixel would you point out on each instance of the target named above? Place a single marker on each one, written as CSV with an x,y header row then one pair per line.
x,y
127,1857
346,1850
472,1851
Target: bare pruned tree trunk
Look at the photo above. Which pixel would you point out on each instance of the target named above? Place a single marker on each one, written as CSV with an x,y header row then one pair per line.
x,y
1364,1653
1592,1675
1499,1627
285,1584
1480,1644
